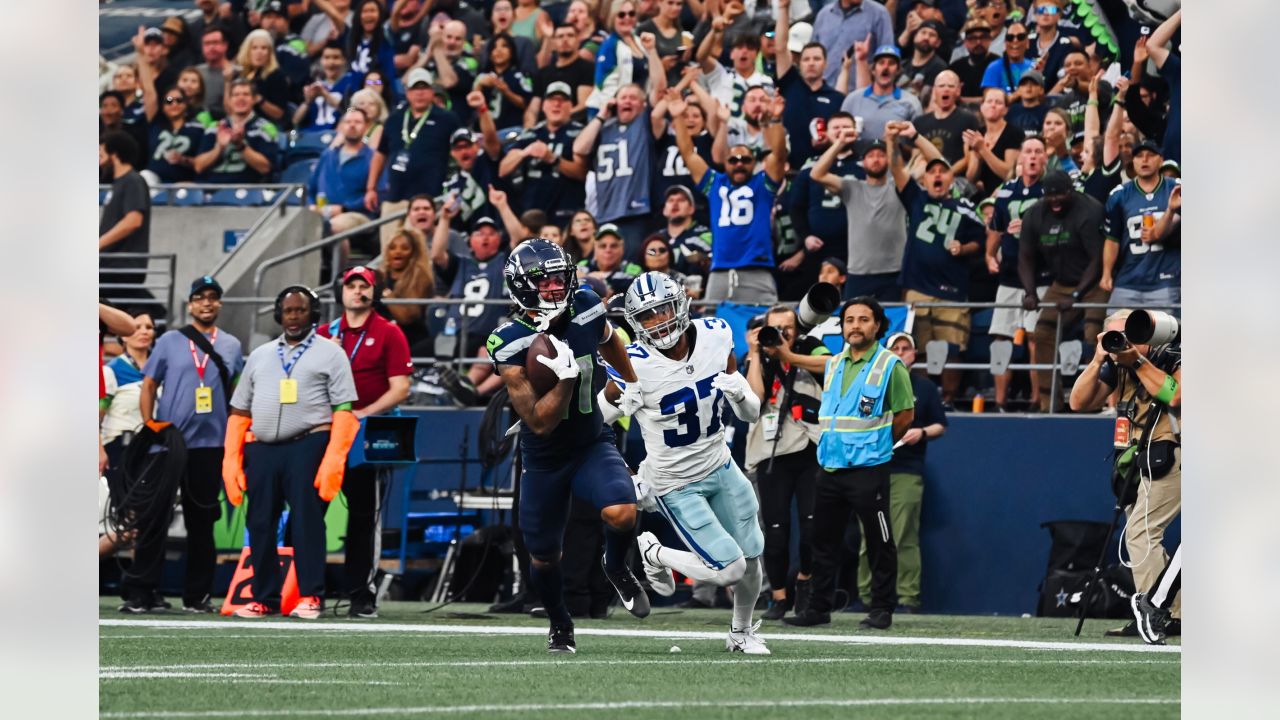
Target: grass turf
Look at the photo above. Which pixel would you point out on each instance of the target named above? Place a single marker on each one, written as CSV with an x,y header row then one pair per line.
x,y
303,669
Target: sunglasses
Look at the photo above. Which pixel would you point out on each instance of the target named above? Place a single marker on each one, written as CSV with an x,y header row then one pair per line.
x,y
658,250
373,81
739,159
175,100
1047,10
626,14
1015,37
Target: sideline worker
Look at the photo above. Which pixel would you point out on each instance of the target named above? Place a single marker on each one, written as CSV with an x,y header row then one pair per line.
x,y
380,367
867,406
195,401
296,395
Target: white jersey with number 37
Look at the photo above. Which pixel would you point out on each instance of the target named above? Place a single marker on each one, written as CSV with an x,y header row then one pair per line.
x,y
681,420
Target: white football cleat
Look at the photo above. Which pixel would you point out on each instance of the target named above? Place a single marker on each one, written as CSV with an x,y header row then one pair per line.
x,y
747,641
660,578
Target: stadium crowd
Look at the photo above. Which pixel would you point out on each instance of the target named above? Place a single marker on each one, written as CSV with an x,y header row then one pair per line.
x,y
926,151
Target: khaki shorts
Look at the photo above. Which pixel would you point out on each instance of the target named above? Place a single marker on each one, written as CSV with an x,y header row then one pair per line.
x,y
1005,322
934,323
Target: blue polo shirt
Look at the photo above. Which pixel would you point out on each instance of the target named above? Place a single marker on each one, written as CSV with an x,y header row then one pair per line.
x,y
172,366
804,105
995,76
342,182
876,110
416,152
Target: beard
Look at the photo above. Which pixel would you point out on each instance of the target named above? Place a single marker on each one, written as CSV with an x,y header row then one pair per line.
x,y
877,174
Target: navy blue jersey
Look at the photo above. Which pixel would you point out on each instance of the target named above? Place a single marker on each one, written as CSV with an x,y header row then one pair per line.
x,y
582,327
804,106
932,225
163,139
231,168
671,170
1099,183
623,161
475,280
1012,200
416,152
472,188
540,184
1142,266
741,230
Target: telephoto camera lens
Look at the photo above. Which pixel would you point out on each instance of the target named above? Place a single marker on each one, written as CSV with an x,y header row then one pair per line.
x,y
1114,341
770,337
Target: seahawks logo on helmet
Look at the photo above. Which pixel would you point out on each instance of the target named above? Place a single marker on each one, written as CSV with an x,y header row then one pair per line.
x,y
658,308
528,265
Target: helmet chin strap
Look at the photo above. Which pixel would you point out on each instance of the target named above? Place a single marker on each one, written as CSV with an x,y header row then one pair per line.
x,y
542,321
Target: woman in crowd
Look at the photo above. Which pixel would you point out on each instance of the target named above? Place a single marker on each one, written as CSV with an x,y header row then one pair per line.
x,y
118,413
370,102
581,15
501,17
507,90
408,275
125,81
621,60
258,65
375,81
191,83
367,44
530,20
993,152
580,237
655,254
1057,125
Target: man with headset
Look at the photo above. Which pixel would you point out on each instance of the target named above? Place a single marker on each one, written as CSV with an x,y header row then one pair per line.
x,y
295,394
380,367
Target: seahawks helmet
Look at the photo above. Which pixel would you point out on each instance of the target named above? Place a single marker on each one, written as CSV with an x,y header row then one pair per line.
x,y
533,261
649,294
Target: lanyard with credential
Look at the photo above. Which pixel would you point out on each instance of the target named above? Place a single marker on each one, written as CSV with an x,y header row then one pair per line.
x,y
359,341
409,137
293,359
201,364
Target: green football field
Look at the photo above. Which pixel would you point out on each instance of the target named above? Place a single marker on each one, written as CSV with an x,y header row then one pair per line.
x,y
459,662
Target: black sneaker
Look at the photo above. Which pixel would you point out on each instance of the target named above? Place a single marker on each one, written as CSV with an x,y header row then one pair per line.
x,y
158,604
560,640
777,610
808,618
804,591
877,620
537,612
135,606
629,591
908,609
364,609
515,605
1150,620
1130,630
204,607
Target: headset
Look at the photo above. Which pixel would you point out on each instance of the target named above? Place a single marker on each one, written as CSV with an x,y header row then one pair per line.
x,y
278,311
377,285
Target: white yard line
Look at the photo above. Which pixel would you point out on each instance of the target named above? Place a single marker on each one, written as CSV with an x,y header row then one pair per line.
x,y
860,639
635,705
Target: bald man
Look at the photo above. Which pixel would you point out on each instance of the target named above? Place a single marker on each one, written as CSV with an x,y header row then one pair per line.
x,y
946,122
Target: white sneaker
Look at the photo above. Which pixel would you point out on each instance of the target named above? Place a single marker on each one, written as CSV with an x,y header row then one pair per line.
x,y
747,641
308,608
660,578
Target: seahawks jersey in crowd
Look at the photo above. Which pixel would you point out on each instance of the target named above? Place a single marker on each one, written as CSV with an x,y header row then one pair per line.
x,y
622,165
932,224
1013,198
741,231
540,184
1142,266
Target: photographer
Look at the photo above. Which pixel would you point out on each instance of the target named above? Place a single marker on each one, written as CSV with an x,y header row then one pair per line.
x,y
785,372
1147,382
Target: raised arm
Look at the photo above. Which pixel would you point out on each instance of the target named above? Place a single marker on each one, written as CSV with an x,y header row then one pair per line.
x,y
440,238
781,33
585,144
1161,36
684,141
775,163
892,130
516,230
821,171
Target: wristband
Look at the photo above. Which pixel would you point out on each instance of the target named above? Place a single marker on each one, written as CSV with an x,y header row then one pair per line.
x,y
1092,102
1167,390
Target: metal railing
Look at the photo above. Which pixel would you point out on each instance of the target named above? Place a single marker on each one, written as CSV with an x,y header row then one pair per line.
x,y
173,190
277,205
168,272
1056,367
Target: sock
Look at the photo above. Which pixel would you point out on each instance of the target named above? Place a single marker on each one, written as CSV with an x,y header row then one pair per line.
x,y
616,545
745,593
692,566
549,584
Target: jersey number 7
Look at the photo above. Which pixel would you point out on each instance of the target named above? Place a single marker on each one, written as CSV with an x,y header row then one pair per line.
x,y
684,404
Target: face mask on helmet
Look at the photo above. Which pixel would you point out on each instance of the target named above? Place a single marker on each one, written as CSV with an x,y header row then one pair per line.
x,y
658,308
530,274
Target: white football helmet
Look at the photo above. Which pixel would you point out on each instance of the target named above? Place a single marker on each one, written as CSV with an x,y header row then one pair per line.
x,y
656,293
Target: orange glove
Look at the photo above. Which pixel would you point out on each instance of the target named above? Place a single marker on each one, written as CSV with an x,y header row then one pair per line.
x,y
158,425
334,465
233,457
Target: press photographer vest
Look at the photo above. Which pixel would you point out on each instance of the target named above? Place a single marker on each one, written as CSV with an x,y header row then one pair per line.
x,y
857,429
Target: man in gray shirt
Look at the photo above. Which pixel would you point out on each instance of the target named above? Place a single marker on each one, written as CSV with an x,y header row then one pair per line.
x,y
842,23
877,219
296,394
882,101
213,47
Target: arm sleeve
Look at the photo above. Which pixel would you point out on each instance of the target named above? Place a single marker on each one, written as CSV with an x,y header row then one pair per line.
x,y
398,357
342,386
158,362
242,398
901,396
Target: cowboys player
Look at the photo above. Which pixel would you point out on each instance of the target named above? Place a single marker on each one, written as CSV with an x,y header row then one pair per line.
x,y
684,370
564,446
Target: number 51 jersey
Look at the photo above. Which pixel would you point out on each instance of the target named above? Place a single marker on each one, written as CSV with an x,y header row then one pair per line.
x,y
680,420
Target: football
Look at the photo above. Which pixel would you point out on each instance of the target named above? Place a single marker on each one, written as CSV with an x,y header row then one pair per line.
x,y
540,376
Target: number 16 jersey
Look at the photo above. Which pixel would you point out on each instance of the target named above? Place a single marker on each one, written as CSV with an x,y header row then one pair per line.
x,y
681,417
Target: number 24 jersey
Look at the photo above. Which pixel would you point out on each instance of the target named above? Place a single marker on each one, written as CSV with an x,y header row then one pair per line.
x,y
681,417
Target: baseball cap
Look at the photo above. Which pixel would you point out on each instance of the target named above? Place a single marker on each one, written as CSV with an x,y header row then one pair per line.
x,y
873,145
933,25
558,88
1149,146
608,229
462,135
835,263
679,189
938,161
1056,182
419,75
485,220
153,35
361,272
889,50
202,283
975,25
1032,76
275,6
174,25
1171,165
889,341
799,36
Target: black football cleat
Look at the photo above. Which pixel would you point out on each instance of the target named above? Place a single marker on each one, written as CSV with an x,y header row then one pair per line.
x,y
560,640
808,618
877,620
632,595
